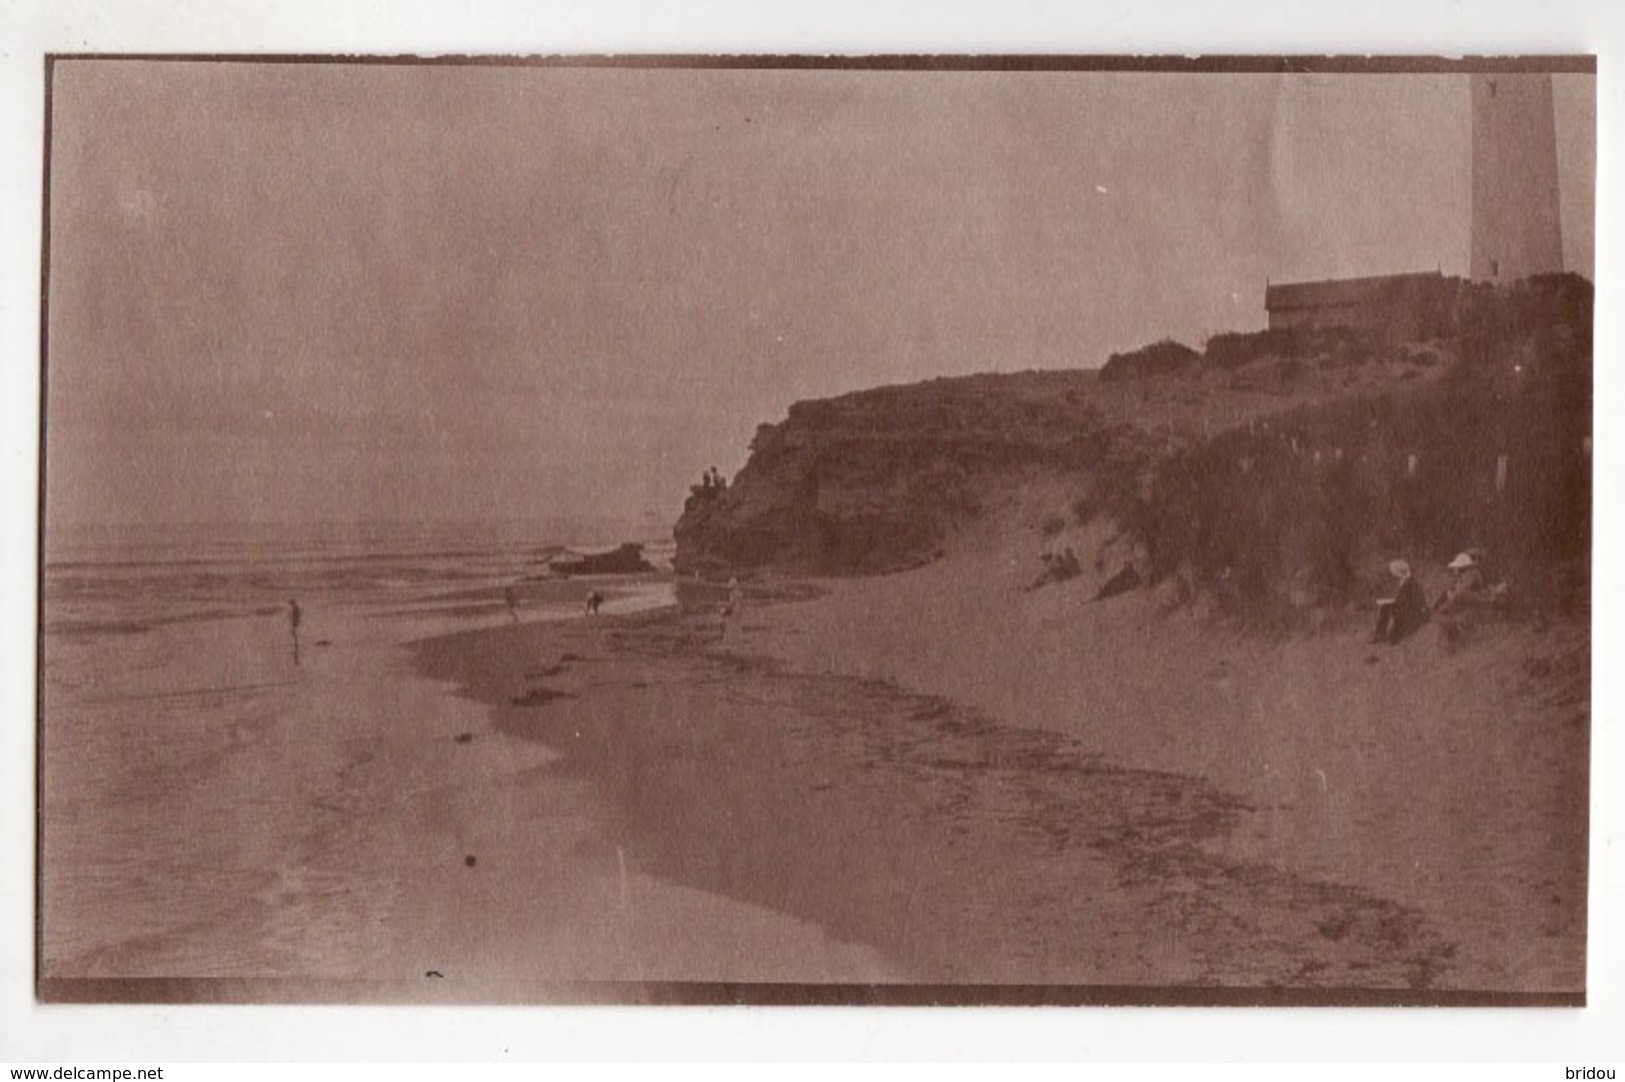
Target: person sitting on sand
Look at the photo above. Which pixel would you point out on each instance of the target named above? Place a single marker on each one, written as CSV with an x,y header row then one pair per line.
x,y
1399,616
1467,586
1468,597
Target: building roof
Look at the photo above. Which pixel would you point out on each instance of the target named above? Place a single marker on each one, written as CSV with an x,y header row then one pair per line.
x,y
1338,291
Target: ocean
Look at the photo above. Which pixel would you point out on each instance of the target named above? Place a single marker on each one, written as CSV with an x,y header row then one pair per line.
x,y
215,807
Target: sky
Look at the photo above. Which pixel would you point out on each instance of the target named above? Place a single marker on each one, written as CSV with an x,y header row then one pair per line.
x,y
372,293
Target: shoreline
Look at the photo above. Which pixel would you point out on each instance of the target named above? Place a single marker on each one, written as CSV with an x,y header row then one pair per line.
x,y
363,825
957,848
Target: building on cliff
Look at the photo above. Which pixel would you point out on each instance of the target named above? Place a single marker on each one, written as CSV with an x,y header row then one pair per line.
x,y
1516,224
1402,306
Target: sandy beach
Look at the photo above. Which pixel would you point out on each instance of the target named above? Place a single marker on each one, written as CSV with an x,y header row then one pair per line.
x,y
1452,786
224,822
912,781
890,762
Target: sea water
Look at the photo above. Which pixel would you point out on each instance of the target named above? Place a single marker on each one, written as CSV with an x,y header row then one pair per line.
x,y
214,806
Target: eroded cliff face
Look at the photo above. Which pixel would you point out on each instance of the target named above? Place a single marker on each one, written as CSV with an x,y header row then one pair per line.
x,y
886,479
1278,464
883,479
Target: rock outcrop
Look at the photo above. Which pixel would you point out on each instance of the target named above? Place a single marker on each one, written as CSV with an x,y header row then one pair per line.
x,y
625,560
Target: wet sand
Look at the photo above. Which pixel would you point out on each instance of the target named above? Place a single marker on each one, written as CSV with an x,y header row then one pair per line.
x,y
222,823
930,841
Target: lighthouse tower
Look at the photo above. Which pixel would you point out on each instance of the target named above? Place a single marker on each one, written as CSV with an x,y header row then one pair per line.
x,y
1517,230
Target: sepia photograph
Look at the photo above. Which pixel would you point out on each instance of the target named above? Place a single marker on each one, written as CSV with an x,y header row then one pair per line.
x,y
889,530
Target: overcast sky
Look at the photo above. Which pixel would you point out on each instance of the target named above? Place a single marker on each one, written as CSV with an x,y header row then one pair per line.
x,y
370,293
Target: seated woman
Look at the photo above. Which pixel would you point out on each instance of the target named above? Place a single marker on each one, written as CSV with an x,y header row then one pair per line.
x,y
1399,616
1467,587
1468,596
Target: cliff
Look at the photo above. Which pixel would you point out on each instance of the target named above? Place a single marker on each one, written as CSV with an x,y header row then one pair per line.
x,y
882,479
1283,466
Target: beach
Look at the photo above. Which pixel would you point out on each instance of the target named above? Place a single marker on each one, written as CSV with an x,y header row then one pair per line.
x,y
922,780
1451,785
863,758
225,820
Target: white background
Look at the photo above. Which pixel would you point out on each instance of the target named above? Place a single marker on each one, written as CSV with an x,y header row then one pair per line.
x,y
144,1036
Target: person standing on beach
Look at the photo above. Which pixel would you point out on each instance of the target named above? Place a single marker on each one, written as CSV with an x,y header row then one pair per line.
x,y
513,602
294,616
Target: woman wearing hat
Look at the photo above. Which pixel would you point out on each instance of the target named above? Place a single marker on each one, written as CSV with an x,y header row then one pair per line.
x,y
1469,599
1467,586
1407,610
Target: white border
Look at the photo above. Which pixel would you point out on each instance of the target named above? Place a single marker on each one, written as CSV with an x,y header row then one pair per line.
x,y
147,1035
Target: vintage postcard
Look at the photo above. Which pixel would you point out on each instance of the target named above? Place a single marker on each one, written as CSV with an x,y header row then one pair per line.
x,y
790,530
